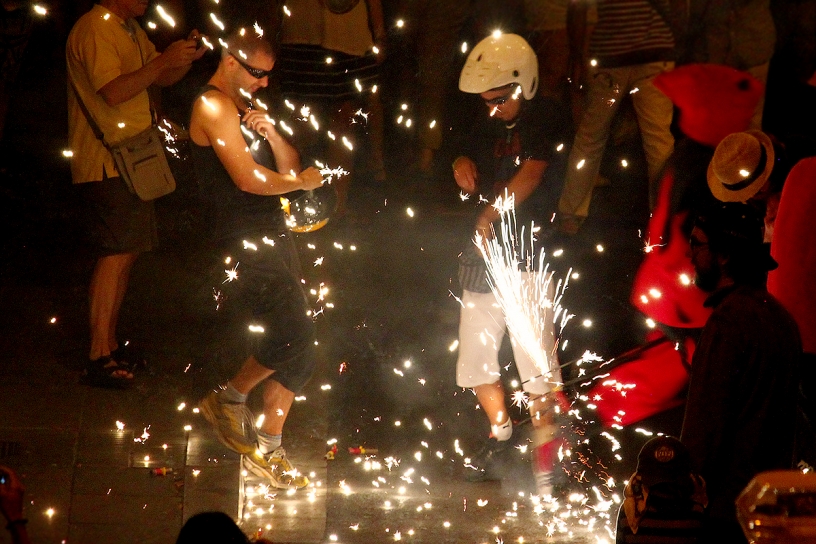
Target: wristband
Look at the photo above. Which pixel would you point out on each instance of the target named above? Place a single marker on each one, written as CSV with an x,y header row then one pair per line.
x,y
12,524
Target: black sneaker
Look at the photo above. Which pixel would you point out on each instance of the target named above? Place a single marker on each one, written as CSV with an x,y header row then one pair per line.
x,y
488,462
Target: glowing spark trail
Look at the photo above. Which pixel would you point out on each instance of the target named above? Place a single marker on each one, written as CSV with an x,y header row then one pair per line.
x,y
530,300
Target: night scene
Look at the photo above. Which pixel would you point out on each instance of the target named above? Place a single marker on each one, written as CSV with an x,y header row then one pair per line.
x,y
421,271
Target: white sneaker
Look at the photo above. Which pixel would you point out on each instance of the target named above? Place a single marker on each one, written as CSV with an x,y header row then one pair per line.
x,y
276,468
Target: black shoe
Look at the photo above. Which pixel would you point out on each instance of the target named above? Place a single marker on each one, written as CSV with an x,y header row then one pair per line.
x,y
488,462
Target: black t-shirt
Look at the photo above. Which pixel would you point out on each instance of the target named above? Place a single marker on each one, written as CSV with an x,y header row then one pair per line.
x,y
542,131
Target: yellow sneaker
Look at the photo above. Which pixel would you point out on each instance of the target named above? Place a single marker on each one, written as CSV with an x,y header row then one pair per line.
x,y
276,468
232,422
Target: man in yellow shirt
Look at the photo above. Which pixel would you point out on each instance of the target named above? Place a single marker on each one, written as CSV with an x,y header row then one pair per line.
x,y
111,64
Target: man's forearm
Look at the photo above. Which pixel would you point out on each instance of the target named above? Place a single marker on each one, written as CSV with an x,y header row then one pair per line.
x,y
127,86
287,159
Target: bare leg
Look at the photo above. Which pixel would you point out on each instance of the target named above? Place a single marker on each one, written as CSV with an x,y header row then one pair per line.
x,y
491,398
122,283
106,290
277,402
250,375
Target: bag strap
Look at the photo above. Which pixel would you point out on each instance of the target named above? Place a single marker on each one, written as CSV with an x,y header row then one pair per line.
x,y
94,126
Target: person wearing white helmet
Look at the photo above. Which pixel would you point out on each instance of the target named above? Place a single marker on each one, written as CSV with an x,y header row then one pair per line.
x,y
519,148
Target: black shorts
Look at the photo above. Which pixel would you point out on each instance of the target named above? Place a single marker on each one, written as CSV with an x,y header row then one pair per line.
x,y
118,221
261,312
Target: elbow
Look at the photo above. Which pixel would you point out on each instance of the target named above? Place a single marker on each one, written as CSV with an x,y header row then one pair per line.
x,y
110,100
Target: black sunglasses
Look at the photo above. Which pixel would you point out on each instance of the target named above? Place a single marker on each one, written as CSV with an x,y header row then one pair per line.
x,y
257,73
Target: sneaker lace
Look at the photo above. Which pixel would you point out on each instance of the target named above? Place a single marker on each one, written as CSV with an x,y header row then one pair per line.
x,y
278,458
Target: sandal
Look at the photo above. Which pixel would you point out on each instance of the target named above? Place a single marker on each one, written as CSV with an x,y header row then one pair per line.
x,y
106,372
129,358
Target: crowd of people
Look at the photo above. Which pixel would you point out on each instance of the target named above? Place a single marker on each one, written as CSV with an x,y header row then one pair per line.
x,y
725,211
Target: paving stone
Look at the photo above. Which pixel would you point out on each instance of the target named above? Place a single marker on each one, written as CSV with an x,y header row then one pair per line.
x,y
212,488
133,510
109,448
204,449
119,481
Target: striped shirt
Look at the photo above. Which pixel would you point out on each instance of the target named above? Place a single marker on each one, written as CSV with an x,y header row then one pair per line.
x,y
306,72
631,32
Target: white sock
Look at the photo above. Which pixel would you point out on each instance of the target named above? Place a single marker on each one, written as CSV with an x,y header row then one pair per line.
x,y
268,443
503,431
231,395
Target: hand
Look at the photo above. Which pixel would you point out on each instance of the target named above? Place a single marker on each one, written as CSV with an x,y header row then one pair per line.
x,y
181,54
260,122
11,496
200,40
465,174
310,179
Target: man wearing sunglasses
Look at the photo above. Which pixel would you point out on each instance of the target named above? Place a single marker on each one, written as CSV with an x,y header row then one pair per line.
x,y
243,166
518,148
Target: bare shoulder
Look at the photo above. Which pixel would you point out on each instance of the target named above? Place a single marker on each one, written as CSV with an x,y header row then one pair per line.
x,y
212,113
214,104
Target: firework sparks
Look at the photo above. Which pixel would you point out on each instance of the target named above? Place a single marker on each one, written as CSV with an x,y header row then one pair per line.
x,y
527,294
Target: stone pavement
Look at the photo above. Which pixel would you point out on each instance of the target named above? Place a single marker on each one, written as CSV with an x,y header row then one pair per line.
x,y
88,481
86,455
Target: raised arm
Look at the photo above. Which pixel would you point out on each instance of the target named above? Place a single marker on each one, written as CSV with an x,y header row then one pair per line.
x,y
166,69
216,119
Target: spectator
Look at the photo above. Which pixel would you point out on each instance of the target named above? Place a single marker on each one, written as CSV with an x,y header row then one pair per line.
x,y
526,134
630,45
11,505
433,27
214,527
238,154
741,407
555,33
331,60
111,64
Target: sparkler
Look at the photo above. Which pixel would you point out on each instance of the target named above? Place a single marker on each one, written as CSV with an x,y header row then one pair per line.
x,y
526,293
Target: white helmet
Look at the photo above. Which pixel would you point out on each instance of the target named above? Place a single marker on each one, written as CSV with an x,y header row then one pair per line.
x,y
498,60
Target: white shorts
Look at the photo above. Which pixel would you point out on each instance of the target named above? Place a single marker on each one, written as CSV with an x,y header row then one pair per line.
x,y
481,329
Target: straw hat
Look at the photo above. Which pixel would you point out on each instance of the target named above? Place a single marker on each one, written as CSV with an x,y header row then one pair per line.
x,y
741,165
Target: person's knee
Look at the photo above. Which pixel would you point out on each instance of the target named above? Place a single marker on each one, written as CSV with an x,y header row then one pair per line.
x,y
296,373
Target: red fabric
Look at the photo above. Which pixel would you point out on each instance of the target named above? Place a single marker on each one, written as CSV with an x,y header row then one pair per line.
x,y
643,387
714,100
794,247
659,289
545,456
